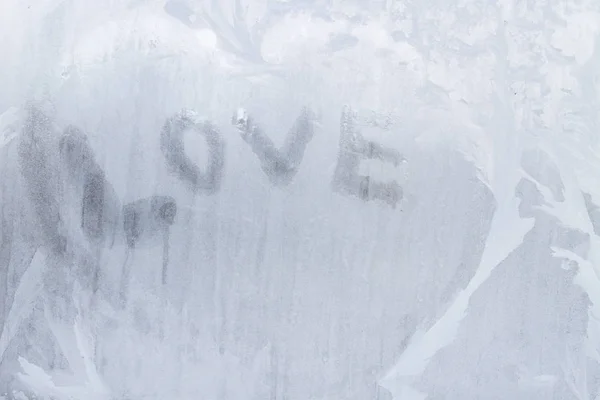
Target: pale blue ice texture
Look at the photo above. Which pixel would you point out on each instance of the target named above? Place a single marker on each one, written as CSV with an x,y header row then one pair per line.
x,y
299,200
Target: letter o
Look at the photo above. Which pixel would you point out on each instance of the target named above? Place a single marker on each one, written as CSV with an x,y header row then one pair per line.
x,y
172,147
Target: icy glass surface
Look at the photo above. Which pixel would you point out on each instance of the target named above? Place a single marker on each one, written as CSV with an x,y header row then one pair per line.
x,y
299,199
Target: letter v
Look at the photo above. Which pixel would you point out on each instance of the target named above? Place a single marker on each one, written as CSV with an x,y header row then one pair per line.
x,y
280,165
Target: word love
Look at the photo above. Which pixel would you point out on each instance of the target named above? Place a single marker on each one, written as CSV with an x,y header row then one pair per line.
x,y
101,209
74,167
